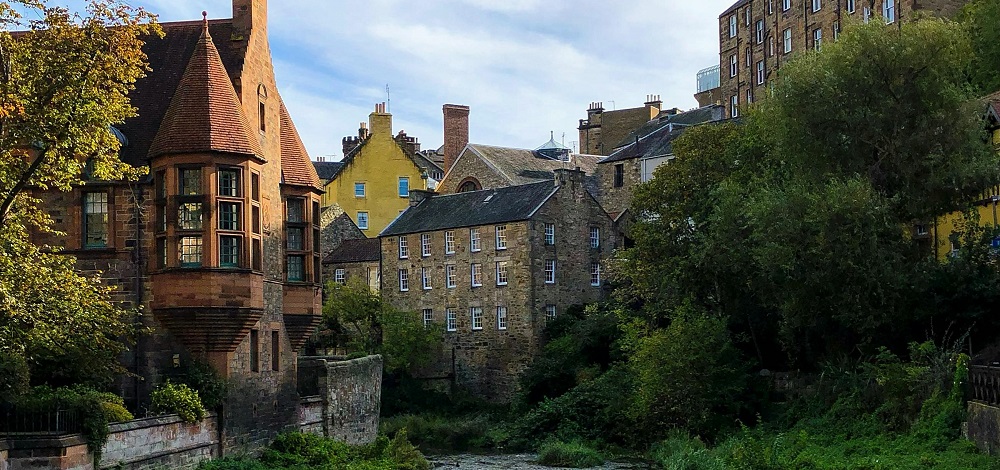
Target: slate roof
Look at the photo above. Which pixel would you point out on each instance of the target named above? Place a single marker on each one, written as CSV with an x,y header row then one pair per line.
x,y
734,7
470,209
327,170
296,166
168,57
656,137
522,166
358,250
993,101
205,115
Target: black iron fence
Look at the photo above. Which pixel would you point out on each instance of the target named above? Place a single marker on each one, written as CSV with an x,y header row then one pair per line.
x,y
984,384
55,421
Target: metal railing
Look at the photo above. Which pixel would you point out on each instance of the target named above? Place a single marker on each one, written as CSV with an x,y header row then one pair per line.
x,y
984,384
52,422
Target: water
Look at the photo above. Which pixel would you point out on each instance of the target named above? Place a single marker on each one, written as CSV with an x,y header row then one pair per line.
x,y
508,462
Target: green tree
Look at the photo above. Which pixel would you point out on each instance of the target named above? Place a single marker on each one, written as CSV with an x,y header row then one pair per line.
x,y
982,18
363,322
64,82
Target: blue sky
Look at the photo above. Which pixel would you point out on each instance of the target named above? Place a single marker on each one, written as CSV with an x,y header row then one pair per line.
x,y
525,67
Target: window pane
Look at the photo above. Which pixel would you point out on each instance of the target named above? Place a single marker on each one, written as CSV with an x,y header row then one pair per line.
x,y
229,252
296,268
189,216
363,220
296,210
229,182
190,251
229,216
359,190
404,187
190,181
95,220
295,235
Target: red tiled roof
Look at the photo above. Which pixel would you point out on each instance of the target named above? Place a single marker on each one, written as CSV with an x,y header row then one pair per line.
x,y
205,114
296,167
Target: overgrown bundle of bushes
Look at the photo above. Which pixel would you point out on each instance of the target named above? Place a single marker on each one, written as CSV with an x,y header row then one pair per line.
x,y
303,451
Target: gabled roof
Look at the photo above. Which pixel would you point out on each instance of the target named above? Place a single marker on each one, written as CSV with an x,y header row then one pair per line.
x,y
204,114
655,139
349,157
327,170
993,105
296,167
470,209
734,7
522,166
355,251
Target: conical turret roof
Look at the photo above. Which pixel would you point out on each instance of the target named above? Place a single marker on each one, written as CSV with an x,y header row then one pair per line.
x,y
205,115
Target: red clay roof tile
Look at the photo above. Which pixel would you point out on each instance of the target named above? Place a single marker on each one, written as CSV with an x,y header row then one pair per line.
x,y
296,167
205,115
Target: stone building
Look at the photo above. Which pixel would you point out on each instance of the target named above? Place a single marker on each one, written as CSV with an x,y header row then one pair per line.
x,y
481,167
757,36
378,170
648,147
219,246
488,267
354,259
602,129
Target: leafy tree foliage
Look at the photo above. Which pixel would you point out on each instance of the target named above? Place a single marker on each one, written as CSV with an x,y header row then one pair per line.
x,y
64,82
982,17
362,322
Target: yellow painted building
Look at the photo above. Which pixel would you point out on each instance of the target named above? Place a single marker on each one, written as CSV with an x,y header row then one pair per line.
x,y
940,233
379,170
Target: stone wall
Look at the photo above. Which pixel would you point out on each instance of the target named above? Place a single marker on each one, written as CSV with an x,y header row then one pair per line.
x,y
982,427
470,167
164,441
617,199
350,393
311,414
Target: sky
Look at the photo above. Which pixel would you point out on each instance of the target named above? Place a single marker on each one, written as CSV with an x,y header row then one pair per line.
x,y
524,67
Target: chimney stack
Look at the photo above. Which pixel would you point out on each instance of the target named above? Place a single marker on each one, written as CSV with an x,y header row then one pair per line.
x,y
456,132
418,195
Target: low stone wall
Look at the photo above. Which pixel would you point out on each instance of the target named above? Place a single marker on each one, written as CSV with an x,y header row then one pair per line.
x,y
310,415
64,453
982,427
4,465
164,441
351,393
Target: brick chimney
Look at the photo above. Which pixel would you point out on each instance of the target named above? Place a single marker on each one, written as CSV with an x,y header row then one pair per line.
x,y
456,132
249,16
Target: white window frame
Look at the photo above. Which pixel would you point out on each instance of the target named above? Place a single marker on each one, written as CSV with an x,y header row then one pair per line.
x,y
749,95
339,276
425,279
760,72
428,316
451,278
550,234
425,245
817,5
595,237
550,271
595,274
501,317
746,16
476,270
477,317
770,7
451,319
550,312
404,249
889,11
836,31
867,14
404,280
501,273
733,66
449,242
362,224
760,32
475,243
851,6
786,5
501,237
732,26
749,55
734,106
399,186
364,190
818,39
786,37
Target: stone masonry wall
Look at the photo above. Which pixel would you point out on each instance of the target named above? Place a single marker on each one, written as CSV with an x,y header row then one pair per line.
x,y
351,394
164,441
982,427
616,200
469,164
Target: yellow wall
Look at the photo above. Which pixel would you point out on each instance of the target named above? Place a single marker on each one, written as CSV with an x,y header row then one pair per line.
x,y
379,164
989,215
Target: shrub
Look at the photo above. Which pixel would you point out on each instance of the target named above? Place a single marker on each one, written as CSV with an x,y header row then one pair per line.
x,y
211,387
14,376
441,434
682,452
177,398
568,454
298,450
233,463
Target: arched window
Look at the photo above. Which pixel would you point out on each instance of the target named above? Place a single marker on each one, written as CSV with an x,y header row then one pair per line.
x,y
469,184
261,107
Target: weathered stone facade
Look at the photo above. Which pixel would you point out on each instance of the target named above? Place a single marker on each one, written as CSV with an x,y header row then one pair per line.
x,y
350,393
748,59
219,248
618,182
603,130
487,356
